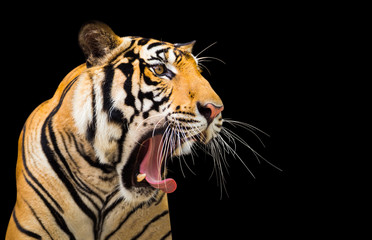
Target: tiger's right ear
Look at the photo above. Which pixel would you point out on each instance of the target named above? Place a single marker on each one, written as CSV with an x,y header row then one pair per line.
x,y
97,40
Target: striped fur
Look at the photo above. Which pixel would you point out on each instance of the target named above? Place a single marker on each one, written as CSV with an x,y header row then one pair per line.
x,y
78,151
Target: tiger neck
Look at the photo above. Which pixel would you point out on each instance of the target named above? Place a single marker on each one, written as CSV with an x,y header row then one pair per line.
x,y
78,158
99,142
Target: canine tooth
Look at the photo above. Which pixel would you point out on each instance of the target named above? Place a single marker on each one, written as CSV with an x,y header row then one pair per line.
x,y
140,177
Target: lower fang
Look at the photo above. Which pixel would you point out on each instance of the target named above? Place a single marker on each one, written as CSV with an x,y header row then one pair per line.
x,y
140,177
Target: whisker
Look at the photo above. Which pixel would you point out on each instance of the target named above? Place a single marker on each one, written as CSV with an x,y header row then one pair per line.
x,y
205,49
183,135
164,139
234,136
245,126
134,134
218,169
190,146
204,67
250,130
169,145
206,59
162,152
220,141
157,115
177,143
153,131
233,152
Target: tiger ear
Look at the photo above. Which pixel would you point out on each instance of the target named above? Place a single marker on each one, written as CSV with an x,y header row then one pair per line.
x,y
97,40
186,47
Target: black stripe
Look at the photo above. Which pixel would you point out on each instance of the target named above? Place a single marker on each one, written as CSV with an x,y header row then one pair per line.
x,y
106,210
142,95
160,199
127,70
155,58
178,56
130,45
58,218
92,126
121,141
152,45
156,105
164,50
78,181
23,230
96,164
186,113
111,195
147,80
38,219
180,128
128,216
110,208
156,218
122,222
166,235
106,88
161,91
114,115
32,176
186,120
143,41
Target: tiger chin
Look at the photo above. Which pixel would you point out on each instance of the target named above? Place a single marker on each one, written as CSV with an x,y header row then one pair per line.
x,y
92,160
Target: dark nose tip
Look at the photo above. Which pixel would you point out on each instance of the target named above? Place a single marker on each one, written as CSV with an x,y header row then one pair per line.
x,y
209,111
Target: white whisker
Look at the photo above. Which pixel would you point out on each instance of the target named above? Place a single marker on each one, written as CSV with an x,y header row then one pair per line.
x,y
157,115
182,132
233,152
168,146
201,59
205,49
153,131
247,127
185,137
204,67
218,169
234,136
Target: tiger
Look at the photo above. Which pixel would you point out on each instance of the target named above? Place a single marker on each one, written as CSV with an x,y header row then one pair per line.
x,y
92,159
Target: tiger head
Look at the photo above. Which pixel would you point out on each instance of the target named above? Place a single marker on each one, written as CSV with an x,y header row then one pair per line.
x,y
140,102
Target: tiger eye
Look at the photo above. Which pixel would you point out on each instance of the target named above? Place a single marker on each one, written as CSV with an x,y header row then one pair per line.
x,y
159,69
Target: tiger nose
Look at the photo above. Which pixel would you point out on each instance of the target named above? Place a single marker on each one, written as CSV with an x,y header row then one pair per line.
x,y
209,111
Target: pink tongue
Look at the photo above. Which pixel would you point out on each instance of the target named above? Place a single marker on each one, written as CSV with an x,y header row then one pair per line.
x,y
151,166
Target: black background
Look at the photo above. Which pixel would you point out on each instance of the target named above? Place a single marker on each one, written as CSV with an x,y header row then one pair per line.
x,y
267,81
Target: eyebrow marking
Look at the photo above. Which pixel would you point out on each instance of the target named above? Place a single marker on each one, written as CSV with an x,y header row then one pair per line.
x,y
161,54
152,45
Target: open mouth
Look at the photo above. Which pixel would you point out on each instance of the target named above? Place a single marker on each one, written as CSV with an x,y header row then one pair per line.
x,y
146,165
150,158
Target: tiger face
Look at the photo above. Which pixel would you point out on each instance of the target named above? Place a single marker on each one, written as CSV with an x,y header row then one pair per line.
x,y
141,102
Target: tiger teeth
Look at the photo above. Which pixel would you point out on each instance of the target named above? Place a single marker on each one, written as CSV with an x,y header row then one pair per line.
x,y
140,177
